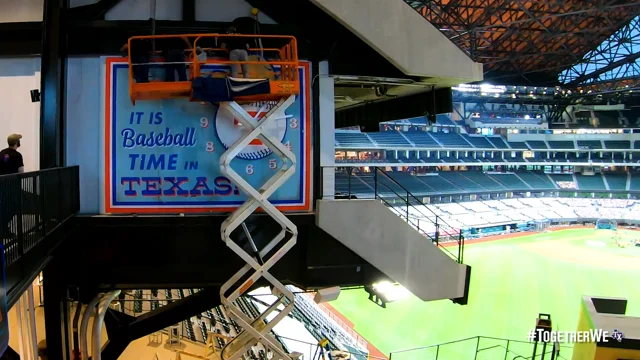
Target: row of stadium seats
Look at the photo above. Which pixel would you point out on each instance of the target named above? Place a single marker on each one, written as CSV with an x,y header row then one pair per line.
x,y
450,182
470,214
483,214
421,139
314,319
415,156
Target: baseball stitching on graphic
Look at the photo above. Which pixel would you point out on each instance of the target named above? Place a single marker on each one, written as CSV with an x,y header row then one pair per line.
x,y
229,131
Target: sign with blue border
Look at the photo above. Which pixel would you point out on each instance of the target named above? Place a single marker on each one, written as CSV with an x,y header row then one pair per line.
x,y
162,156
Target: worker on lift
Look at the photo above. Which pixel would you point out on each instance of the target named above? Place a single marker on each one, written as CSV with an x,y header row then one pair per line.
x,y
140,57
238,51
173,50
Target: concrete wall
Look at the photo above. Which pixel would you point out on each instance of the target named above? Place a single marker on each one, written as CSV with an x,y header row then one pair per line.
x,y
206,10
17,113
405,38
384,240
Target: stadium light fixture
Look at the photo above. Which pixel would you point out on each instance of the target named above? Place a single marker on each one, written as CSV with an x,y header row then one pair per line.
x,y
385,292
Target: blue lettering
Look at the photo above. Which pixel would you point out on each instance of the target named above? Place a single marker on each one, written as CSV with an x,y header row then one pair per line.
x,y
128,135
133,158
155,162
131,139
201,182
152,186
175,186
173,161
130,181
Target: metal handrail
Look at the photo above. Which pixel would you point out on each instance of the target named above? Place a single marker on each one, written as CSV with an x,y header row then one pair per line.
x,y
460,256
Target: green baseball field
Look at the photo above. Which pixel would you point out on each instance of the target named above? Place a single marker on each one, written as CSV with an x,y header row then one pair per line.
x,y
512,281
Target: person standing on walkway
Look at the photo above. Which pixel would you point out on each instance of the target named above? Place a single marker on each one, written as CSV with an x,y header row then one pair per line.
x,y
11,161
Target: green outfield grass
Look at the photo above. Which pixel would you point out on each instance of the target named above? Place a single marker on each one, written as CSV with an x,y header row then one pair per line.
x,y
512,281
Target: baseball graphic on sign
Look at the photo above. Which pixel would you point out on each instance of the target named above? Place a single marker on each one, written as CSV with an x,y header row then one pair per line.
x,y
229,129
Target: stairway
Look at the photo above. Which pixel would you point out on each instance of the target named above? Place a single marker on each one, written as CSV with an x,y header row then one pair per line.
x,y
402,240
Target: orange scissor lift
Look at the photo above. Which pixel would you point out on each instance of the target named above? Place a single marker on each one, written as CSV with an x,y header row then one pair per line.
x,y
281,71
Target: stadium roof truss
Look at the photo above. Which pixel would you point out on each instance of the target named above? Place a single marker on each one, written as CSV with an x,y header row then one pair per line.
x,y
616,59
523,37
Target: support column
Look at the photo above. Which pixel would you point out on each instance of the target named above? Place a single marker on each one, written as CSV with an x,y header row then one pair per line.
x,y
52,89
56,312
326,130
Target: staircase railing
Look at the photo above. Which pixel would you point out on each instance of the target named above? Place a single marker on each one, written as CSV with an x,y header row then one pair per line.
x,y
411,209
32,206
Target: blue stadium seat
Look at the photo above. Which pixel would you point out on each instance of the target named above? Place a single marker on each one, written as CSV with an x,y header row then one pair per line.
x,y
537,144
422,139
389,139
635,182
561,145
360,186
411,183
353,139
498,142
591,144
510,181
439,184
518,145
613,144
536,181
479,142
461,181
616,181
483,180
442,119
451,140
593,182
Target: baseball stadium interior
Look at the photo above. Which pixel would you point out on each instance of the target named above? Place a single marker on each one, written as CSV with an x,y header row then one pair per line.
x,y
320,179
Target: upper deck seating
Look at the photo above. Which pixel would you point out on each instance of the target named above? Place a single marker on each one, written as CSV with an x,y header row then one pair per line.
x,y
353,139
451,140
442,119
483,180
537,144
479,142
461,181
411,183
591,144
422,139
590,182
389,138
510,181
565,178
439,184
536,181
498,142
359,186
635,182
561,145
614,144
518,145
616,181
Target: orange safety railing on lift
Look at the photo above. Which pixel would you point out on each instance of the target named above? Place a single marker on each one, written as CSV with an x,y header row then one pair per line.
x,y
280,67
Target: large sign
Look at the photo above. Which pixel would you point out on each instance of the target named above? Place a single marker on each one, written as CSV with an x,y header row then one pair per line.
x,y
162,156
